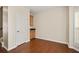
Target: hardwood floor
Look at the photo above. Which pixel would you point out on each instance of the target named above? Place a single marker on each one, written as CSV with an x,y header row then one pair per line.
x,y
42,46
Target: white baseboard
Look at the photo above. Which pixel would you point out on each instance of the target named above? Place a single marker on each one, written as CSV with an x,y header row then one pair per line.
x,y
17,45
53,40
76,49
27,41
4,46
72,47
13,47
60,42
8,49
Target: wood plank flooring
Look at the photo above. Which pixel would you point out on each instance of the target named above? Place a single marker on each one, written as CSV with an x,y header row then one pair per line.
x,y
42,46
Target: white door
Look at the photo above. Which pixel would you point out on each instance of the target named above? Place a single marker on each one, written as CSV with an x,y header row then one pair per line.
x,y
21,27
76,30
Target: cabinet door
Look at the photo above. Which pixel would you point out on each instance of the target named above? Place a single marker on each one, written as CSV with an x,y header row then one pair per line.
x,y
31,20
32,34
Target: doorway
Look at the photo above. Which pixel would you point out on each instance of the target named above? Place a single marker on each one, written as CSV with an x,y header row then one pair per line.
x,y
21,28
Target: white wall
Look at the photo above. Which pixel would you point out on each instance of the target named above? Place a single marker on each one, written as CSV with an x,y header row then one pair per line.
x,y
76,41
5,27
73,32
12,11
71,26
52,24
76,28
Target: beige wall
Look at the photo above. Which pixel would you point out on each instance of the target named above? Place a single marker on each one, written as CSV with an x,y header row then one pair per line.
x,y
52,24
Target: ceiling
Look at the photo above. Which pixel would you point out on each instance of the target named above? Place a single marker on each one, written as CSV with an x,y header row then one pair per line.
x,y
36,9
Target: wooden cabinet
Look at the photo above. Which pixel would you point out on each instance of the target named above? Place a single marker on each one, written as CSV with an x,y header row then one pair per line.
x,y
31,20
32,33
32,29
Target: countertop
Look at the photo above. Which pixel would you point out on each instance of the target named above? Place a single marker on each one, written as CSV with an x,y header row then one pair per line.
x,y
32,28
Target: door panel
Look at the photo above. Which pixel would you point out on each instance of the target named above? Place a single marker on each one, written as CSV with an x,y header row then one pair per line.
x,y
21,28
76,30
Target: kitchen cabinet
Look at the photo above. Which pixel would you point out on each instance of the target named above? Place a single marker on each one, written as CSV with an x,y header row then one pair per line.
x,y
32,29
32,33
31,20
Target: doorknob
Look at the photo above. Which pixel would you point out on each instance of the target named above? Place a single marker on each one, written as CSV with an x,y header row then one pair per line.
x,y
18,31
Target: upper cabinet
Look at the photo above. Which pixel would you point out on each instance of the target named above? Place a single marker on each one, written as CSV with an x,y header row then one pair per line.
x,y
31,21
